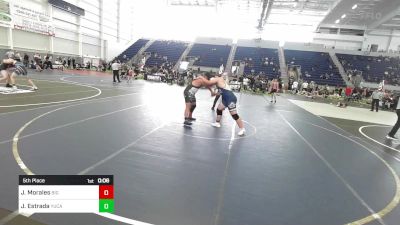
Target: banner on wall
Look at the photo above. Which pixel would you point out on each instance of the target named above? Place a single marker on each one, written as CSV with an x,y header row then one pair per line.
x,y
27,19
5,16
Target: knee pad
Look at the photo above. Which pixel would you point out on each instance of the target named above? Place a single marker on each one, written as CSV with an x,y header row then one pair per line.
x,y
219,112
192,108
235,116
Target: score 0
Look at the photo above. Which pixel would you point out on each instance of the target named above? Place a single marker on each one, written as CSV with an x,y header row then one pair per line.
x,y
106,198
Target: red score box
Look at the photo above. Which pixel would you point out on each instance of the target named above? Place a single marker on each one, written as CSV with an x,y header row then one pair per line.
x,y
106,192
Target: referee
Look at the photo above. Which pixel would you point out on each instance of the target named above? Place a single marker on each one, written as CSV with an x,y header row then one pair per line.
x,y
115,68
376,97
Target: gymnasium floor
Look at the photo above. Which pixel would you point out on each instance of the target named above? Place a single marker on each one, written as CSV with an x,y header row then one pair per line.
x,y
292,167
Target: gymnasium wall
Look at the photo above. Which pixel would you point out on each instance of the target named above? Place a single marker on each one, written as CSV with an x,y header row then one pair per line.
x,y
103,32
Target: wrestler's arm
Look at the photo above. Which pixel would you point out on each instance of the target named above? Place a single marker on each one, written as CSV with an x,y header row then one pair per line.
x,y
208,84
9,61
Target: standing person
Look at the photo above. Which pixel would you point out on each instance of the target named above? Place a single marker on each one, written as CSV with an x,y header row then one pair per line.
x,y
397,125
240,82
69,63
26,60
245,83
376,96
274,87
73,63
129,75
104,66
190,96
228,100
64,62
115,68
37,59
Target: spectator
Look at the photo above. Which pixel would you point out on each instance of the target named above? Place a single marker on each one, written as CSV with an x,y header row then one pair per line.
x,y
304,86
26,60
47,63
245,83
376,96
38,60
294,87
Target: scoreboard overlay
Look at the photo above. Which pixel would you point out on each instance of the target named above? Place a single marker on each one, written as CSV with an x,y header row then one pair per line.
x,y
66,194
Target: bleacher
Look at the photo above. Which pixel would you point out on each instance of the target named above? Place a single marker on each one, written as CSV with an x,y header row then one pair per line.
x,y
210,55
317,65
132,50
374,69
259,60
165,52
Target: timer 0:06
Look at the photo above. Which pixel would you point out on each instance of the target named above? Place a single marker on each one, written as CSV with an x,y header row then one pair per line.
x,y
103,180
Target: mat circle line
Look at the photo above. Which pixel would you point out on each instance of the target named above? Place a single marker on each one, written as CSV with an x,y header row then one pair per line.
x,y
370,138
394,202
63,101
396,198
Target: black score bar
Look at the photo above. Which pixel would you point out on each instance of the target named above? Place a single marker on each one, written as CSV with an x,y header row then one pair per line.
x,y
66,179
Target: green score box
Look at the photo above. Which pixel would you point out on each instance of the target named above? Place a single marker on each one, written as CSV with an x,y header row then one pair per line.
x,y
106,205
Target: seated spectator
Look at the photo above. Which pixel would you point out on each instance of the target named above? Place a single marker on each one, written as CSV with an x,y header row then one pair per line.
x,y
342,104
295,87
304,86
32,65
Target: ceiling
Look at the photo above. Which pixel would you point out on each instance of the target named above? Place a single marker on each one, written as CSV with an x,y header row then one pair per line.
x,y
366,14
369,14
300,12
292,12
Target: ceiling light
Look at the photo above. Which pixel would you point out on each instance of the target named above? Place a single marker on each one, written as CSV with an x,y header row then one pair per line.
x,y
343,16
337,21
354,6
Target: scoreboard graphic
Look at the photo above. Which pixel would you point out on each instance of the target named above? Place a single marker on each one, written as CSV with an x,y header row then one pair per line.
x,y
66,194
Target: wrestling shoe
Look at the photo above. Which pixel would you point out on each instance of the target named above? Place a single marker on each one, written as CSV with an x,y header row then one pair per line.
x,y
187,123
391,137
216,124
192,119
242,132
